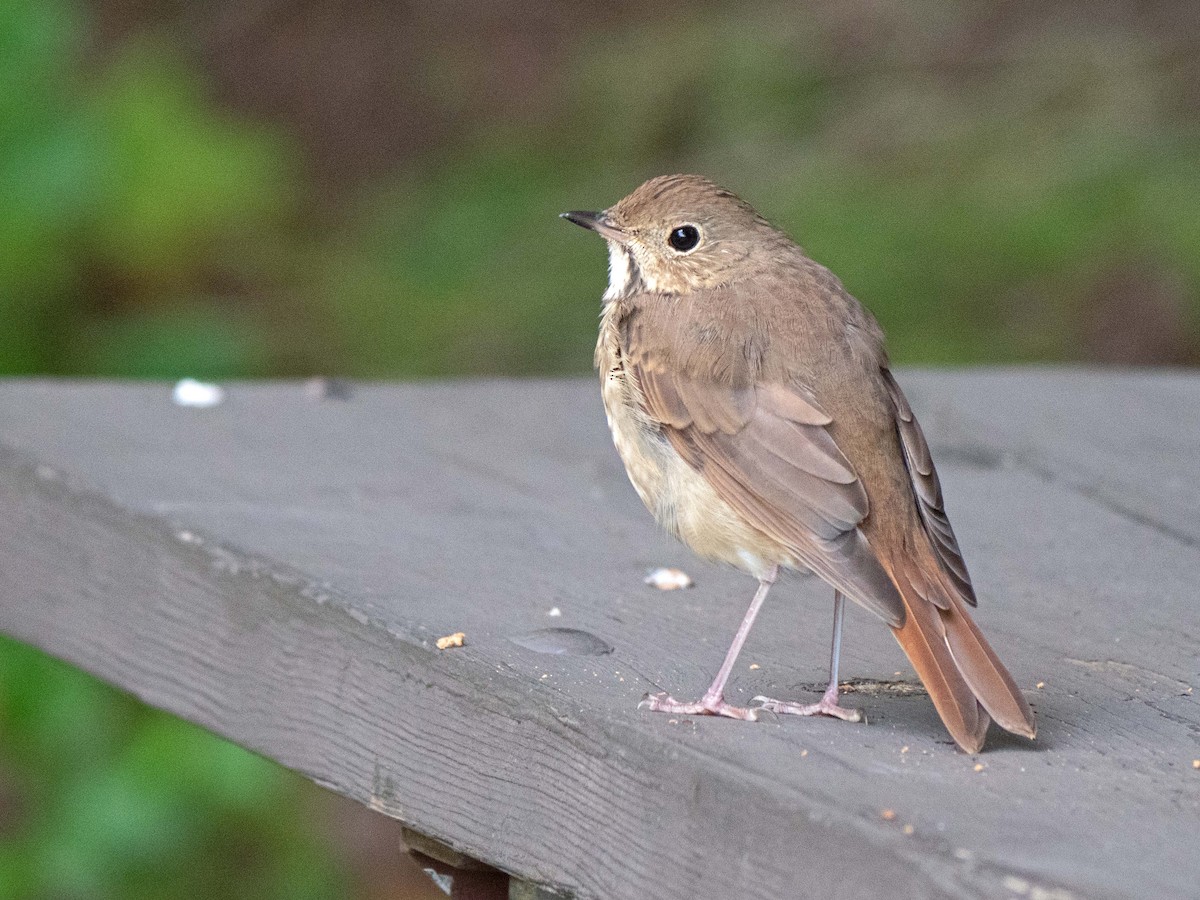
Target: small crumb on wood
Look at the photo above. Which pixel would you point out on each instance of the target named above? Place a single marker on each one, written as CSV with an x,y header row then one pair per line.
x,y
451,640
888,815
196,394
669,579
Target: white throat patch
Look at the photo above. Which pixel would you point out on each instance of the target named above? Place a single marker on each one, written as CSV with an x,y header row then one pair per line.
x,y
619,271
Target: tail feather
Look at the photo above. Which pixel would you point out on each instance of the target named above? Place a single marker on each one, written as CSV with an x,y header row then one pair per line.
x,y
985,674
967,682
924,642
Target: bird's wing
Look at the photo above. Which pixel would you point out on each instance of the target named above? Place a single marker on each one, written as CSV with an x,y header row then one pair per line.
x,y
928,491
767,451
943,623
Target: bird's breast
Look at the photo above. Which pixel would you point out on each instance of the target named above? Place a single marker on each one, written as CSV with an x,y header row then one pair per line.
x,y
678,496
639,441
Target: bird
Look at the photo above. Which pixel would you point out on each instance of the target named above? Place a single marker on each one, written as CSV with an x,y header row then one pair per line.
x,y
750,398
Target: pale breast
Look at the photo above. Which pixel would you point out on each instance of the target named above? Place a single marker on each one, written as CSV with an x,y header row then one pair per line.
x,y
678,496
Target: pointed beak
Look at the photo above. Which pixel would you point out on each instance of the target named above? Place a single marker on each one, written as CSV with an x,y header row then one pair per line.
x,y
597,222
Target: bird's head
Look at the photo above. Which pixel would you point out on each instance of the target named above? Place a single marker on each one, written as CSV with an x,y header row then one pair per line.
x,y
680,233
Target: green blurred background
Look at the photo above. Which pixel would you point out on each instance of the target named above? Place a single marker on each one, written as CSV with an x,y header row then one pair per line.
x,y
368,189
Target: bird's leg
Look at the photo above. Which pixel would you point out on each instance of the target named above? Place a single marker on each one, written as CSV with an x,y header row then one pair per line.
x,y
713,702
828,705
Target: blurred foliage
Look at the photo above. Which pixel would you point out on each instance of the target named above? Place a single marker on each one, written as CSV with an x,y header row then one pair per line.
x,y
993,192
1000,201
103,797
127,195
980,212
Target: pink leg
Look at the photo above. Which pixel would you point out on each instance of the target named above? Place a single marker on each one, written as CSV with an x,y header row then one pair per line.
x,y
713,702
828,705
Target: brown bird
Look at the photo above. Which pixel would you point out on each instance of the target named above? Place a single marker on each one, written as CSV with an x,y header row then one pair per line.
x,y
750,399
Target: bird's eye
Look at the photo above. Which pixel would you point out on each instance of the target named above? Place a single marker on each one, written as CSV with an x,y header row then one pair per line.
x,y
684,238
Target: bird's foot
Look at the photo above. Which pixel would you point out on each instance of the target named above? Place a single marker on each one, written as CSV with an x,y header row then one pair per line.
x,y
713,705
827,706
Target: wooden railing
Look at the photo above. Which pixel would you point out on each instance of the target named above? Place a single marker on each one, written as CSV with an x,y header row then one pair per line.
x,y
279,568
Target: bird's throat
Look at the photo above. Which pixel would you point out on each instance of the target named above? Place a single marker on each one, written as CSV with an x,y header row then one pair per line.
x,y
623,276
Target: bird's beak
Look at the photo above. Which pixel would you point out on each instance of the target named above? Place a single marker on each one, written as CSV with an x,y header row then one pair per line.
x,y
597,222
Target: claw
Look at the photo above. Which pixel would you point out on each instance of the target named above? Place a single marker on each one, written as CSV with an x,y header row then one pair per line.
x,y
827,706
709,706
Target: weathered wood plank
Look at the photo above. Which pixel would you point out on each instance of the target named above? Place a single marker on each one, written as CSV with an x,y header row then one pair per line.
x,y
1128,439
278,568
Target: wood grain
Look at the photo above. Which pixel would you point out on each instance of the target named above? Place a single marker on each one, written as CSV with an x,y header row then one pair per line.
x,y
278,569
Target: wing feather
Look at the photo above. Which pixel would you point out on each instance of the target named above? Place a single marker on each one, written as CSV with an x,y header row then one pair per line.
x,y
767,450
928,490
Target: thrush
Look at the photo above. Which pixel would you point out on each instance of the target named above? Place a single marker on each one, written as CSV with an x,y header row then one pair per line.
x,y
750,398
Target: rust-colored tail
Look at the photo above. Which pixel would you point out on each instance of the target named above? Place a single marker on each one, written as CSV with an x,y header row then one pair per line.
x,y
967,682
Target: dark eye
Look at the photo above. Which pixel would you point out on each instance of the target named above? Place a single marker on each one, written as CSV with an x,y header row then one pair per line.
x,y
684,238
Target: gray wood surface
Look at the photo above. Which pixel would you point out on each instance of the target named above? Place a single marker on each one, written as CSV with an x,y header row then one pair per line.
x,y
279,567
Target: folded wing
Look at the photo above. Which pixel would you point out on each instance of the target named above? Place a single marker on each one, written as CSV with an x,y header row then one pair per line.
x,y
767,451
